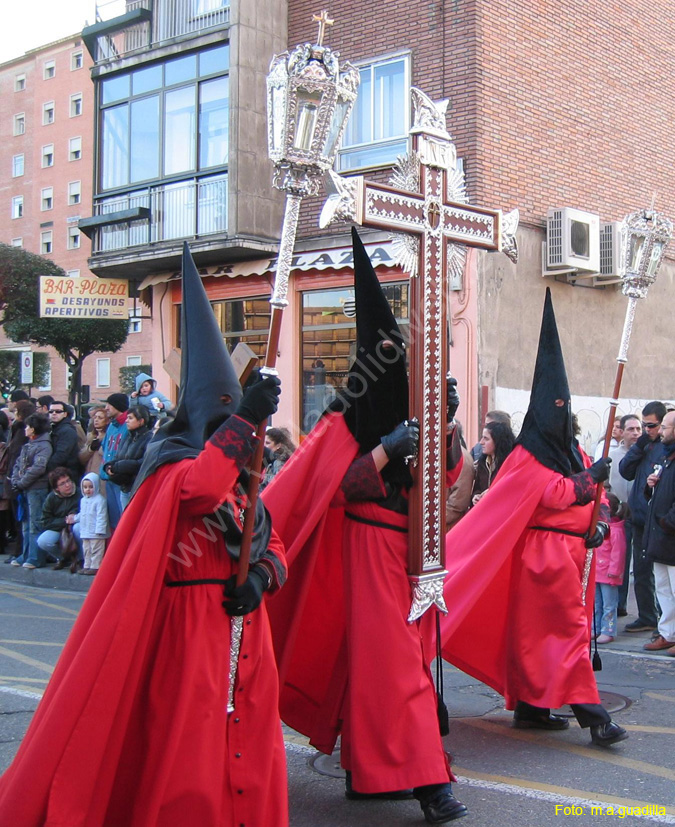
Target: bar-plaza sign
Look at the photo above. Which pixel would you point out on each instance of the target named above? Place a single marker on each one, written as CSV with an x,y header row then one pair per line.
x,y
65,297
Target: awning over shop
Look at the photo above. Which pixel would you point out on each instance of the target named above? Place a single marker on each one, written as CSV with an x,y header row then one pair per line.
x,y
338,258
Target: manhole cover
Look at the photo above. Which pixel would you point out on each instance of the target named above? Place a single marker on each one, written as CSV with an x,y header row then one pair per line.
x,y
612,701
327,764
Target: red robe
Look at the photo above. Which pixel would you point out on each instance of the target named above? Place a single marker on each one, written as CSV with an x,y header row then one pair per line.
x,y
349,661
133,728
516,619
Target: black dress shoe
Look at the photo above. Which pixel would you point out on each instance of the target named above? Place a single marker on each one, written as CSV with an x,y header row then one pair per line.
x,y
550,722
392,795
604,735
438,803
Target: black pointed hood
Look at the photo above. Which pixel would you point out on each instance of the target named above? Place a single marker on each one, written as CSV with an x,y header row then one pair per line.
x,y
376,398
547,430
209,386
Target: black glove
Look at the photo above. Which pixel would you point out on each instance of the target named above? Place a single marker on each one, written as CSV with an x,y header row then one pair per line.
x,y
402,441
95,444
601,531
452,398
643,441
247,597
599,471
260,400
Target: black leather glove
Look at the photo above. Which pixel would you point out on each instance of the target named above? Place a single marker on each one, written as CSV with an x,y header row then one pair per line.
x,y
260,400
599,471
452,398
402,441
247,597
601,531
643,441
95,444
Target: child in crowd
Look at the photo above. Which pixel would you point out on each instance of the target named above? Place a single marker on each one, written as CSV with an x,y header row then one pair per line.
x,y
94,526
610,559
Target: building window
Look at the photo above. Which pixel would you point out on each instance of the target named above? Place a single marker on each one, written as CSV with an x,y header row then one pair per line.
x,y
74,192
244,320
76,61
329,343
17,242
132,361
17,165
74,149
74,274
19,124
76,105
165,120
135,326
17,206
48,380
46,242
48,113
47,198
103,373
74,238
47,155
19,83
49,69
377,131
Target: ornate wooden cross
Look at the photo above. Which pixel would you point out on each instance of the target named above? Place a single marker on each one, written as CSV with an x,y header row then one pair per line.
x,y
428,205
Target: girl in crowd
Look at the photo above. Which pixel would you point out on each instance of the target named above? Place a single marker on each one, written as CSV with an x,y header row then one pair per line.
x,y
497,443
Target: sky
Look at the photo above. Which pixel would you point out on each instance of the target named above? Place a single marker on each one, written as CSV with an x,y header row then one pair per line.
x,y
27,24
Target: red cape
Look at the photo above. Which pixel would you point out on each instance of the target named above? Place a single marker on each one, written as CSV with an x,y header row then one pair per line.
x,y
483,592
307,615
122,729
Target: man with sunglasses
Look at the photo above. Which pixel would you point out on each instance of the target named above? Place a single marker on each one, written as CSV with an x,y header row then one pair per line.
x,y
637,465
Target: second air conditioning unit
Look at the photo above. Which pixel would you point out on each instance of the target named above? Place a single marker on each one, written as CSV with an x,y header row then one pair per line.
x,y
572,240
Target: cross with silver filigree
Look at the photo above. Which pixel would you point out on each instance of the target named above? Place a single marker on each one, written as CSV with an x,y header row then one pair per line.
x,y
426,210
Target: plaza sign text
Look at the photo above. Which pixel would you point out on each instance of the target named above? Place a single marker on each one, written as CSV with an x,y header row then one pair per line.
x,y
64,297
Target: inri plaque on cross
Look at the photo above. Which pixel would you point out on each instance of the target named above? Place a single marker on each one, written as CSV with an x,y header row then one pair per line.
x,y
427,213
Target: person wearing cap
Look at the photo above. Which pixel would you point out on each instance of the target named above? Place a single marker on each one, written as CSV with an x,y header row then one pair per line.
x,y
116,407
142,722
519,559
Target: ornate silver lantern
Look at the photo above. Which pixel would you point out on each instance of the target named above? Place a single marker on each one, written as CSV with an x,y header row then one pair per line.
x,y
309,98
646,236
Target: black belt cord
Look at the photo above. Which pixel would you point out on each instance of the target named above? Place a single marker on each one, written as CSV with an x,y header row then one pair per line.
x,y
557,531
375,523
204,582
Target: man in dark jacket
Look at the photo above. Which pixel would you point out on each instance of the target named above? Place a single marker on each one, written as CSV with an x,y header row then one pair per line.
x,y
637,465
125,467
58,511
65,446
659,538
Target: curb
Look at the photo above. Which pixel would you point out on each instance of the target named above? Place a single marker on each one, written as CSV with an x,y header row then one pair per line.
x,y
45,578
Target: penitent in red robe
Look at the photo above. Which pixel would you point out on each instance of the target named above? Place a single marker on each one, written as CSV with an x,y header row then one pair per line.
x,y
133,729
349,661
516,619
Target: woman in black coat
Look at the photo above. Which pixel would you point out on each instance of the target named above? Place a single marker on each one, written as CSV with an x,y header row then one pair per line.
x,y
126,465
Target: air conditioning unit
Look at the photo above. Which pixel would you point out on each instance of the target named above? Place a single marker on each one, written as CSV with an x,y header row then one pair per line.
x,y
611,248
572,240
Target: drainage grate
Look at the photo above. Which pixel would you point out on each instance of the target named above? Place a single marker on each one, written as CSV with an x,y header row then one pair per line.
x,y
612,701
327,764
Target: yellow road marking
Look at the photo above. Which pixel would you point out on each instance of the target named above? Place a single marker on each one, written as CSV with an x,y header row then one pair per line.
x,y
556,790
29,680
595,753
663,730
658,697
18,615
38,664
30,642
20,596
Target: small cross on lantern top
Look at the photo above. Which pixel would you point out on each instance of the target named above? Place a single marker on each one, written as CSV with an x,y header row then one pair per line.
x,y
323,20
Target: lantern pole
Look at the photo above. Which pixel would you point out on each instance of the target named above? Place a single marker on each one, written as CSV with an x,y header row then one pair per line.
x,y
646,236
309,99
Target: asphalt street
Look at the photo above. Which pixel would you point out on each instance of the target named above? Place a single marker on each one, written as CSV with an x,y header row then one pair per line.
x,y
507,777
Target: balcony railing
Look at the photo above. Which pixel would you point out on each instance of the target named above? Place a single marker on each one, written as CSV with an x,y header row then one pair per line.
x,y
123,31
177,211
